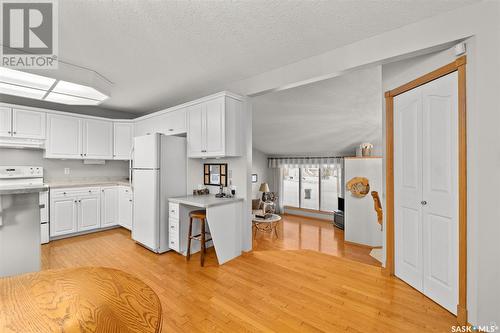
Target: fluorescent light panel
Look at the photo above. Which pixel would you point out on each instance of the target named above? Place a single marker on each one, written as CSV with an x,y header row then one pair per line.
x,y
13,82
69,99
68,88
10,89
25,79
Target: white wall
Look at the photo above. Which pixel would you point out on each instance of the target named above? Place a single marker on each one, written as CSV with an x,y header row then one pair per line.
x,y
360,218
481,20
54,168
260,167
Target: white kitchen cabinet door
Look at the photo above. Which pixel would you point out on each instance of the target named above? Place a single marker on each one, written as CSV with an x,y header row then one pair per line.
x,y
28,124
175,122
63,137
196,131
89,209
215,128
109,199
5,121
125,207
63,216
145,127
123,139
97,139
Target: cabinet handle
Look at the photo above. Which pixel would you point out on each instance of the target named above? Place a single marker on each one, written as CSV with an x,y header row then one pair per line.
x,y
203,151
130,200
171,129
76,201
9,132
14,132
423,202
64,193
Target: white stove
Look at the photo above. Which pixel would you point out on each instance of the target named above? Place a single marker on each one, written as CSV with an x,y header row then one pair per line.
x,y
25,177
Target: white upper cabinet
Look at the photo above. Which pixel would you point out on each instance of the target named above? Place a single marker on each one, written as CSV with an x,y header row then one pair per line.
x,y
63,137
97,139
170,122
174,122
215,127
123,139
28,124
21,123
196,130
5,121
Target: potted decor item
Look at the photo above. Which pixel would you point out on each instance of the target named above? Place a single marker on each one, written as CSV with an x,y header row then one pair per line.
x,y
366,149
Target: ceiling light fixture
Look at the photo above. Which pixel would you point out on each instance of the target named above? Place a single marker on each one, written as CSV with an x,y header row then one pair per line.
x,y
18,83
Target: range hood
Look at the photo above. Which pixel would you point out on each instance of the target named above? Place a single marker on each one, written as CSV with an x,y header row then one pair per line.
x,y
22,143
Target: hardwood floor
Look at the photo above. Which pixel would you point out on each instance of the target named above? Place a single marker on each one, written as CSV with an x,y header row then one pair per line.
x,y
271,290
302,233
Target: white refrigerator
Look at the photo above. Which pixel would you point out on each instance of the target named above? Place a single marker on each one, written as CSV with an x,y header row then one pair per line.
x,y
158,173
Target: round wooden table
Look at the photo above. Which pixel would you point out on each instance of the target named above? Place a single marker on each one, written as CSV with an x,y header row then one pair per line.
x,y
266,224
84,299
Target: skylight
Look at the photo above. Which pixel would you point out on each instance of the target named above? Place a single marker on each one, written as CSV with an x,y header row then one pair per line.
x,y
18,83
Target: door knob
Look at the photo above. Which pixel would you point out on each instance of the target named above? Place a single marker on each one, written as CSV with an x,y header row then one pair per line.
x,y
423,202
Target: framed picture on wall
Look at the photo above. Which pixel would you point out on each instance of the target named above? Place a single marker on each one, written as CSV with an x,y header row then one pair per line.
x,y
254,178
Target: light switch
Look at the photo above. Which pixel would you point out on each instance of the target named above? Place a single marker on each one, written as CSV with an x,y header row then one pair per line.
x,y
66,171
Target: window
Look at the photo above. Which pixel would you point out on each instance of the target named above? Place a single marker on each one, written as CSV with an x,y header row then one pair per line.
x,y
309,188
312,188
291,187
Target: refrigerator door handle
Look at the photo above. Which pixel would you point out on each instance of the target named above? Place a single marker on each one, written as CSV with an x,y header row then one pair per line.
x,y
130,167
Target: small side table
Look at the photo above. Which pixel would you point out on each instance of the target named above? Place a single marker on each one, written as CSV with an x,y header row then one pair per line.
x,y
266,224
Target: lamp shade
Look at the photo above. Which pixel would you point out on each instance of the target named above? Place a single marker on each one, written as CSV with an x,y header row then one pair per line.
x,y
264,187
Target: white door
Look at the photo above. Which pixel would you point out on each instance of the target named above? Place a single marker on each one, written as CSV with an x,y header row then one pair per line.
x,y
426,189
63,137
28,124
123,139
145,229
109,198
97,139
89,216
215,127
63,216
440,190
408,186
5,121
196,132
125,207
146,151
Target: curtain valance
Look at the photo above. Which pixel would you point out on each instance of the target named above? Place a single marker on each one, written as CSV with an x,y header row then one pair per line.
x,y
304,162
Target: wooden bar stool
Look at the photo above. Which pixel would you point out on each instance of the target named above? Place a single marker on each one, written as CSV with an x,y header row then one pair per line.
x,y
202,216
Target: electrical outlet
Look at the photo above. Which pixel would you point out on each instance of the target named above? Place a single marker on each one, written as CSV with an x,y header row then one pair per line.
x,y
66,171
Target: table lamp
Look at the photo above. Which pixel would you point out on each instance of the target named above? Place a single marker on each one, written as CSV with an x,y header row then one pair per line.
x,y
264,188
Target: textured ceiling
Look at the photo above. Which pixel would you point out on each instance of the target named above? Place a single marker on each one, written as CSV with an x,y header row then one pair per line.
x,y
330,117
160,53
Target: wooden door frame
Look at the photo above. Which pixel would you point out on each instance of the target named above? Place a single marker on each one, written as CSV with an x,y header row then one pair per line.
x,y
456,66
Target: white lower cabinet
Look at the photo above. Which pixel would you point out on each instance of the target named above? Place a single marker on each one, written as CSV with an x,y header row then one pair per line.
x,y
173,234
63,215
89,207
109,202
125,207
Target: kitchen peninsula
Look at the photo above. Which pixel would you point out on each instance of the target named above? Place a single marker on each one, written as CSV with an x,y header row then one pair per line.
x,y
224,220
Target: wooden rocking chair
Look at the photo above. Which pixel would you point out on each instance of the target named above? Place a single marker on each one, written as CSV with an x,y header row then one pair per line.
x,y
378,208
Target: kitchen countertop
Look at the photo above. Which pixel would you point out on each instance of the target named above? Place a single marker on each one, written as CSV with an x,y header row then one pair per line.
x,y
86,182
203,201
8,190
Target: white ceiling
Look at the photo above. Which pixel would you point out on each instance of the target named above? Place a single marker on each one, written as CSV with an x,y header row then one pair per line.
x,y
330,117
160,53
